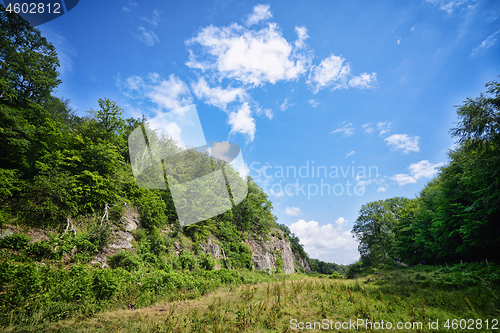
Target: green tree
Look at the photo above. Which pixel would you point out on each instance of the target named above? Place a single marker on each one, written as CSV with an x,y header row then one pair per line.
x,y
28,63
374,228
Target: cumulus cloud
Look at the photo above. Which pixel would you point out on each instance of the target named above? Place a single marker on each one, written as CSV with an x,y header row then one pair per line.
x,y
330,72
293,211
218,96
363,81
346,129
248,56
422,169
403,179
148,37
260,13
166,94
242,122
403,142
334,72
327,242
301,37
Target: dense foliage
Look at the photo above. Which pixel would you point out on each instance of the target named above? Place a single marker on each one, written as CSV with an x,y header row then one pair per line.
x,y
456,216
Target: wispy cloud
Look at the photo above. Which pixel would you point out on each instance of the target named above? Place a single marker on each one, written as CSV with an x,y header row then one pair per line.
x,y
314,103
349,154
403,142
346,129
168,94
486,44
448,5
155,18
368,128
383,127
260,13
148,37
285,105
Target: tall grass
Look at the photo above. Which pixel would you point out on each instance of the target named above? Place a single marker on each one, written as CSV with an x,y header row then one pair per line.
x,y
426,294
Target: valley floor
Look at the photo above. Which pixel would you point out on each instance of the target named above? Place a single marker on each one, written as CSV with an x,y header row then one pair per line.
x,y
424,299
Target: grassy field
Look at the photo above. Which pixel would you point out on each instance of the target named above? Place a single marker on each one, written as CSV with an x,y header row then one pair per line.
x,y
408,296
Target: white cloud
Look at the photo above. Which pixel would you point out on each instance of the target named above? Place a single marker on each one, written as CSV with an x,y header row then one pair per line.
x,y
267,112
166,94
293,211
403,179
286,105
251,57
340,221
242,122
326,242
448,5
301,37
363,81
349,154
218,96
368,128
383,127
403,142
260,13
148,37
330,72
333,72
280,194
155,19
487,43
422,169
314,103
346,129
399,41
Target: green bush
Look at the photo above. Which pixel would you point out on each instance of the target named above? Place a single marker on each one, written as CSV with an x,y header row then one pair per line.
x,y
125,260
15,241
188,261
206,261
104,284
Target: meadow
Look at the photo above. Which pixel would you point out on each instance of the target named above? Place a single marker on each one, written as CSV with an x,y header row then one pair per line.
x,y
459,298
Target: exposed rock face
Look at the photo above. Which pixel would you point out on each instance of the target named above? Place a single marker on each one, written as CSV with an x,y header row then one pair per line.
x,y
121,240
212,247
265,254
305,265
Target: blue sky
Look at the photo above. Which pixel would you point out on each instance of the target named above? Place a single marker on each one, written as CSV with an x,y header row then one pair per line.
x,y
317,85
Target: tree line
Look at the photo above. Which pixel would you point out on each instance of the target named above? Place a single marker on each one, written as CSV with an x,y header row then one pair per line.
x,y
456,216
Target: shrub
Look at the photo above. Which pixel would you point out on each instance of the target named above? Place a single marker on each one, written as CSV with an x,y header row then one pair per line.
x,y
15,241
206,261
104,284
188,261
125,260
